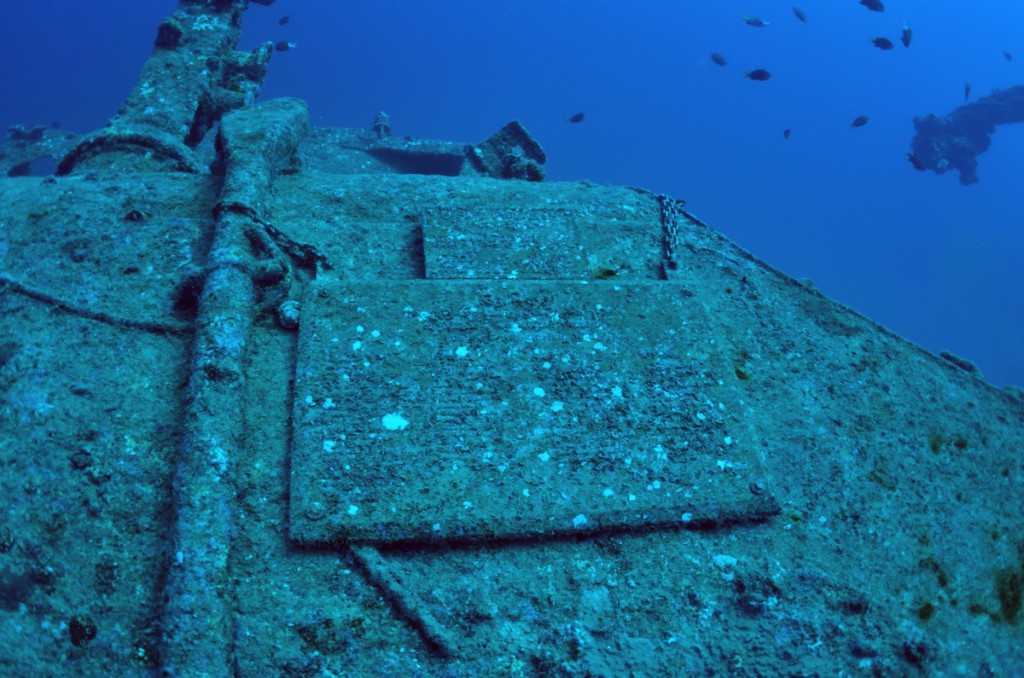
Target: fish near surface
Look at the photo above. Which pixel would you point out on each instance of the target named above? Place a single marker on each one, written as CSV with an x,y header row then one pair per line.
x,y
882,43
719,59
758,74
873,5
859,121
755,21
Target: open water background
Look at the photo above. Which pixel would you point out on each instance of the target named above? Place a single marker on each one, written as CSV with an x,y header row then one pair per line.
x,y
940,263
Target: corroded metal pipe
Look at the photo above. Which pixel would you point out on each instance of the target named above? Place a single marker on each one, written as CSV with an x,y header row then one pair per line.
x,y
254,143
192,78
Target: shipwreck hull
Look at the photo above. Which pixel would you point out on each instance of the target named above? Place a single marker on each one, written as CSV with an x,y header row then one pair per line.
x,y
281,406
763,475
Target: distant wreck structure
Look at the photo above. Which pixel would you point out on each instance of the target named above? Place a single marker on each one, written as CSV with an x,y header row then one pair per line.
x,y
22,148
954,141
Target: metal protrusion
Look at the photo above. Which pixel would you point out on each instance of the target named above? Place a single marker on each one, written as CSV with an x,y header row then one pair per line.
x,y
382,125
288,314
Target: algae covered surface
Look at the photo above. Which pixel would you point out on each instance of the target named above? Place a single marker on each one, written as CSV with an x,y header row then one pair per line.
x,y
891,535
329,402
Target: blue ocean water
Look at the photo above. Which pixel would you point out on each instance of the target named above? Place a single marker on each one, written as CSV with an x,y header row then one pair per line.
x,y
937,262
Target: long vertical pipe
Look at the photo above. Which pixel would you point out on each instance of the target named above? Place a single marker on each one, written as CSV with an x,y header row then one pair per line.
x,y
254,143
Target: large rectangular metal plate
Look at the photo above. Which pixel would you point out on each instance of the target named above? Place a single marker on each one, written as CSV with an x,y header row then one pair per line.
x,y
434,410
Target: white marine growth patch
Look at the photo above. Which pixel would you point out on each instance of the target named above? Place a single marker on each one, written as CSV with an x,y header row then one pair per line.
x,y
393,421
206,22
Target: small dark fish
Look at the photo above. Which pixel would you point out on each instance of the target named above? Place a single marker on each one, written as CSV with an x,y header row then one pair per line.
x,y
882,43
786,133
755,21
967,91
758,74
905,35
859,121
1007,55
873,5
718,59
283,20
915,161
575,117
799,14
284,46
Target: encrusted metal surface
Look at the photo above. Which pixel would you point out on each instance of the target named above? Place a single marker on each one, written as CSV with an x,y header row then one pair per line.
x,y
431,410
